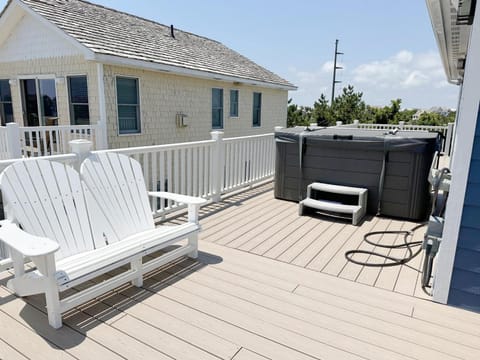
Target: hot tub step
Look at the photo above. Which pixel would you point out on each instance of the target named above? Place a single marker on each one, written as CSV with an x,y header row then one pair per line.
x,y
333,208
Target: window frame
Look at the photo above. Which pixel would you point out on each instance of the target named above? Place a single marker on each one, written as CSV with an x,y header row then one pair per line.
x,y
3,117
71,103
257,110
40,109
138,106
221,108
235,115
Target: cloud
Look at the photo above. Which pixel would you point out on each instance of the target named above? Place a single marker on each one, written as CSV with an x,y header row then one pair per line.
x,y
404,69
417,78
327,67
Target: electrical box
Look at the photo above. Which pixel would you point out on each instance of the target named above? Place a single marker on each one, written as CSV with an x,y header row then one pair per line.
x,y
180,120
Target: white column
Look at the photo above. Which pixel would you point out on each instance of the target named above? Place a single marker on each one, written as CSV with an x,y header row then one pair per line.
x,y
218,164
102,138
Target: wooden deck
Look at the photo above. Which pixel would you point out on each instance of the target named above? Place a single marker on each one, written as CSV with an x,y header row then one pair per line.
x,y
257,223
267,285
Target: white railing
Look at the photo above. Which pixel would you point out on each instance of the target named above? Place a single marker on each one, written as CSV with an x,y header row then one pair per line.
x,y
4,153
208,168
184,168
248,159
51,140
446,131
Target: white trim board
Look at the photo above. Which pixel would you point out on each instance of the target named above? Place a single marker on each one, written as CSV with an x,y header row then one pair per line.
x,y
464,137
176,70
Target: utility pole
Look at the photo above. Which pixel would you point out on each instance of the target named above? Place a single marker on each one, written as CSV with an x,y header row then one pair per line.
x,y
335,68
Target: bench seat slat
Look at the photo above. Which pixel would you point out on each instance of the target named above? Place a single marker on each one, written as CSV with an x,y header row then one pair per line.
x,y
74,269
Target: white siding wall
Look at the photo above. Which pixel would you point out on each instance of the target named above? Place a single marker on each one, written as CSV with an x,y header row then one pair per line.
x,y
33,40
163,95
57,67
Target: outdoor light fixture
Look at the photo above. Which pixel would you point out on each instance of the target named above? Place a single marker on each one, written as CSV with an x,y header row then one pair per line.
x,y
59,80
12,82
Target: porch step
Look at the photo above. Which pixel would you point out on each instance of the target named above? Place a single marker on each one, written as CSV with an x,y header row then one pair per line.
x,y
333,208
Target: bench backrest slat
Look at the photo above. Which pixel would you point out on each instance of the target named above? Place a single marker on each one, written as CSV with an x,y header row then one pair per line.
x,y
115,182
47,199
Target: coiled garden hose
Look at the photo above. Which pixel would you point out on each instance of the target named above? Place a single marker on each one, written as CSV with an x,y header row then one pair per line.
x,y
411,247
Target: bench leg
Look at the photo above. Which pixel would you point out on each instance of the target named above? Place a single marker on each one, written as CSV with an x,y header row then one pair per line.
x,y
136,265
193,241
46,265
53,304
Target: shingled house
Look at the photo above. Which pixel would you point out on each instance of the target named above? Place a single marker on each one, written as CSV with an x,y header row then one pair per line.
x,y
74,62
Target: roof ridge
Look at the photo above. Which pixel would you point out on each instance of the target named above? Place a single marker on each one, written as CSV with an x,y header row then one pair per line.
x,y
112,32
128,14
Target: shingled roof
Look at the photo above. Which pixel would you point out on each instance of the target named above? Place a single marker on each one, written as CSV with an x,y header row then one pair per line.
x,y
110,32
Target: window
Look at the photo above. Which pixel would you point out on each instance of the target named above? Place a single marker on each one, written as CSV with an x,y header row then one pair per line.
x,y
234,103
128,105
39,101
6,110
78,96
257,109
217,108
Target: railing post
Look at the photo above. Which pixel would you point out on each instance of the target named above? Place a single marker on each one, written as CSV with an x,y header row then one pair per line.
x,y
81,148
218,164
356,122
339,123
14,146
401,124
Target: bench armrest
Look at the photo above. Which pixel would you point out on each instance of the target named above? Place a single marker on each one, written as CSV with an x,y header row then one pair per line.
x,y
192,202
189,200
25,243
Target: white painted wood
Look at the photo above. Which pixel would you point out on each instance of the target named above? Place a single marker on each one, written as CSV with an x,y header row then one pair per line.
x,y
38,41
4,152
464,138
12,144
140,64
93,227
25,243
102,137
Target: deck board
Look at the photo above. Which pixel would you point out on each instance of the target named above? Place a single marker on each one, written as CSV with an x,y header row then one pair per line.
x,y
268,284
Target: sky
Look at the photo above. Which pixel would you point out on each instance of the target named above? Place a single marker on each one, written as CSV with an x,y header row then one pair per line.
x,y
389,48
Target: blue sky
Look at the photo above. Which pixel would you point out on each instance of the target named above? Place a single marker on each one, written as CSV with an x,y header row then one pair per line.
x,y
390,50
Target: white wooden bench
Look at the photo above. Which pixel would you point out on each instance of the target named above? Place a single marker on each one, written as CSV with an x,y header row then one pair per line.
x,y
329,207
76,227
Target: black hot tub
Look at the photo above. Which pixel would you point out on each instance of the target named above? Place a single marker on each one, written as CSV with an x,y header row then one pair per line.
x,y
393,167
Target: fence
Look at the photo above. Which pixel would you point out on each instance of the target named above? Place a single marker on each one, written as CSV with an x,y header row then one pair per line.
x,y
17,141
445,131
50,140
207,168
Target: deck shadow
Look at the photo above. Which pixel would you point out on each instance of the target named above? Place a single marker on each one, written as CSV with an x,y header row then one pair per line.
x,y
109,308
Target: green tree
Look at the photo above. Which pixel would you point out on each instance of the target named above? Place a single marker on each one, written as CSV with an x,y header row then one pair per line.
x,y
321,113
298,115
348,106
